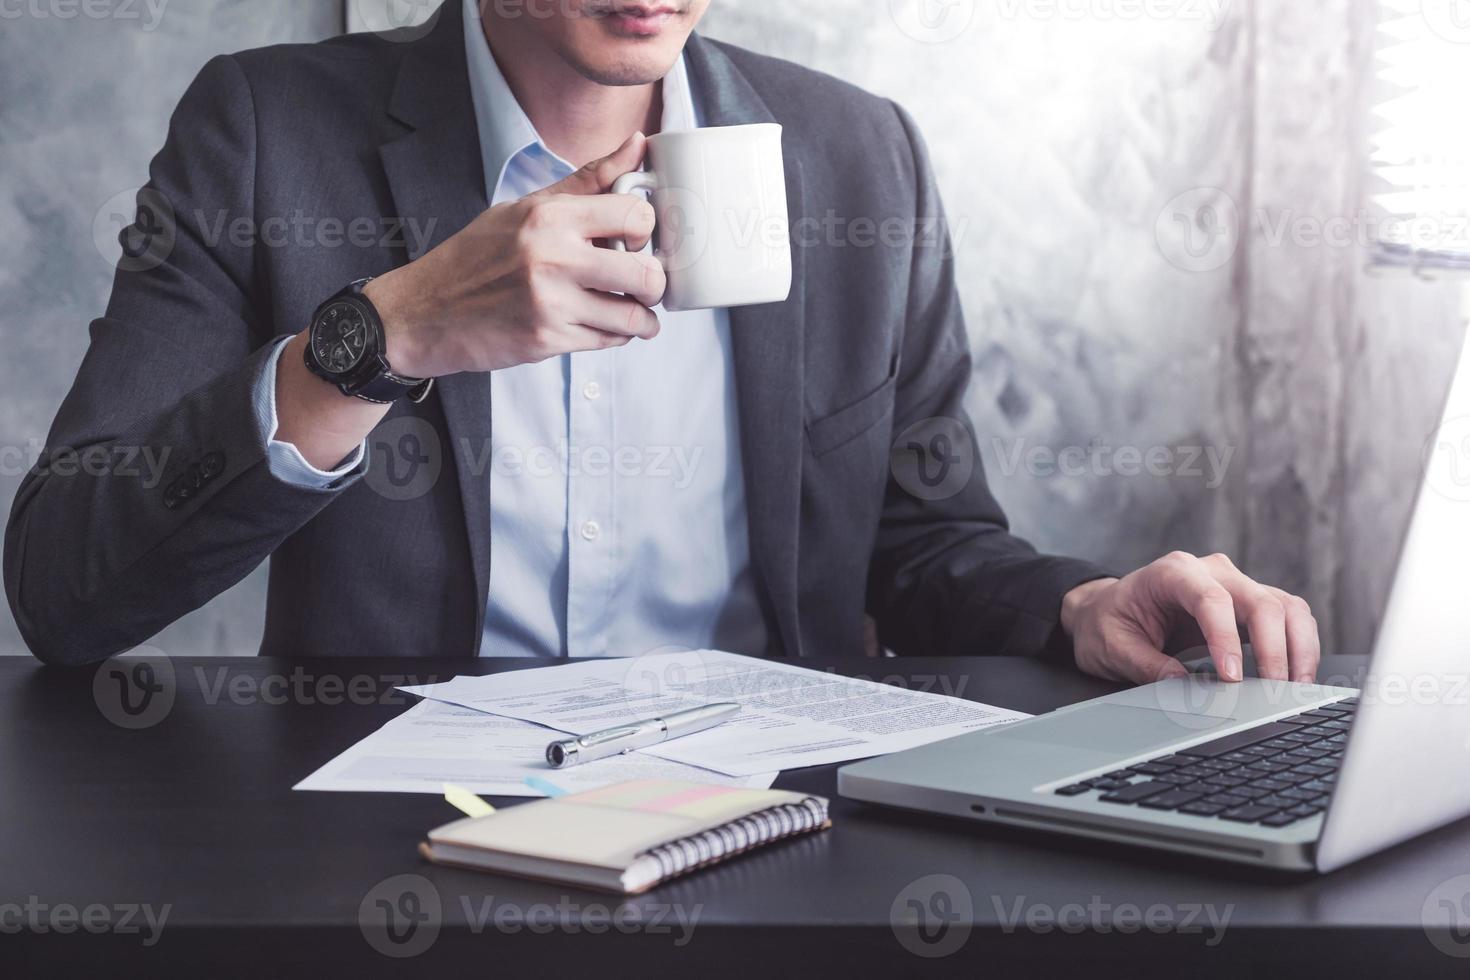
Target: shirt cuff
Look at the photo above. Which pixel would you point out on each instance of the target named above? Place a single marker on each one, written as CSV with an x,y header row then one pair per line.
x,y
286,462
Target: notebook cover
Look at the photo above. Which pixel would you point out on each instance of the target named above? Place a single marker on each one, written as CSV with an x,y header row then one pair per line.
x,y
606,828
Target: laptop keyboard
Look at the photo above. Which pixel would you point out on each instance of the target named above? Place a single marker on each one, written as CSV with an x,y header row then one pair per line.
x,y
1273,775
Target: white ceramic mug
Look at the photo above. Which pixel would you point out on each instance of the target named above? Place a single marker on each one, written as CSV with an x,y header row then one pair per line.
x,y
722,232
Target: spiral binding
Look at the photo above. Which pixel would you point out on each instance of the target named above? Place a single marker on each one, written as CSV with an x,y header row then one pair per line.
x,y
718,843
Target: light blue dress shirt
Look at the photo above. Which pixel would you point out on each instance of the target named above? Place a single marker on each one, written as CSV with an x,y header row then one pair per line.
x,y
617,494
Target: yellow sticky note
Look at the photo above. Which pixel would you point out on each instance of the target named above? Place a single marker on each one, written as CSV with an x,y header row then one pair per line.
x,y
466,802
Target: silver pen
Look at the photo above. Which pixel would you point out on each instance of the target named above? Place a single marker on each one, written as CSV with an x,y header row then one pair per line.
x,y
637,735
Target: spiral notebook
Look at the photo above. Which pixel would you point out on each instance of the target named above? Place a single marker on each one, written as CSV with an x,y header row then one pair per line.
x,y
627,837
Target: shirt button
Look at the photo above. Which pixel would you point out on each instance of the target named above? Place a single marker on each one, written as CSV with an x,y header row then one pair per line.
x,y
592,391
591,530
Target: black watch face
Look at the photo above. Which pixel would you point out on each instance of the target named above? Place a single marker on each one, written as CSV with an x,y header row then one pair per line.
x,y
340,339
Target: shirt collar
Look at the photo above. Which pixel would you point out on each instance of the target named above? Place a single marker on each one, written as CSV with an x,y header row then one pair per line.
x,y
505,129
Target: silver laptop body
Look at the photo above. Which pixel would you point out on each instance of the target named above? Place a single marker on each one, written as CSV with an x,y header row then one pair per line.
x,y
1395,775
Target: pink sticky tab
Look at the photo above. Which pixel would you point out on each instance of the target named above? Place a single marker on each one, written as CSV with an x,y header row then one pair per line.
x,y
675,801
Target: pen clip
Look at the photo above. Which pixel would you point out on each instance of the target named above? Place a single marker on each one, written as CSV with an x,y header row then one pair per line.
x,y
611,735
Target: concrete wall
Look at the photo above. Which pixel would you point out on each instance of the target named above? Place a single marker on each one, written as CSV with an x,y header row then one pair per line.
x,y
1118,189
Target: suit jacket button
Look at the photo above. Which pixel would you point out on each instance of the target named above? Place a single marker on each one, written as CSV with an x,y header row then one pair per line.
x,y
212,465
171,498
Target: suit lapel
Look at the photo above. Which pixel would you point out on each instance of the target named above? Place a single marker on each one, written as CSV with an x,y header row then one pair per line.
x,y
767,342
436,174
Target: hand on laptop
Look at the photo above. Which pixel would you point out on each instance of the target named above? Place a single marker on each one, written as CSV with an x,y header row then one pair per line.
x,y
1118,626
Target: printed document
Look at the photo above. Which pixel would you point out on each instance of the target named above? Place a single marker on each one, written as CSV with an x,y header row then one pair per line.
x,y
434,743
790,716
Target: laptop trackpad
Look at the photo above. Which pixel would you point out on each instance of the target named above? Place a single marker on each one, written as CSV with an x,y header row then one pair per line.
x,y
1112,728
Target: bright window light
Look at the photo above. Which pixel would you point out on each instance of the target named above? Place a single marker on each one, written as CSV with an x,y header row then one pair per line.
x,y
1421,140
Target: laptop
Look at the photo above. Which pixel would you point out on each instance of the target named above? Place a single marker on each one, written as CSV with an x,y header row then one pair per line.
x,y
1291,776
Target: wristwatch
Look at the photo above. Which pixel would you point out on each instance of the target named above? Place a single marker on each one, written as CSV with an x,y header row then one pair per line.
x,y
346,347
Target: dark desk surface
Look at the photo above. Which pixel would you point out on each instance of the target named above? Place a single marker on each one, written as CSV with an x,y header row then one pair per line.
x,y
195,813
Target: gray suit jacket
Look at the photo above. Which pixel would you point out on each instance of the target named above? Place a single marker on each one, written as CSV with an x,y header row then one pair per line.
x,y
269,144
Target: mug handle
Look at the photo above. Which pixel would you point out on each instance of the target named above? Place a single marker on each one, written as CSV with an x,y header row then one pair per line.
x,y
638,180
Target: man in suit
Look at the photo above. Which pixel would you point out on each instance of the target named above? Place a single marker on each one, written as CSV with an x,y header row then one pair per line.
x,y
518,505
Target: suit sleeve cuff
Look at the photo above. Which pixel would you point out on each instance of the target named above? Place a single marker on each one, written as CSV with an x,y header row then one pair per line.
x,y
286,462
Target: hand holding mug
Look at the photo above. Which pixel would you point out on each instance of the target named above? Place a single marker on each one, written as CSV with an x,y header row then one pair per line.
x,y
525,280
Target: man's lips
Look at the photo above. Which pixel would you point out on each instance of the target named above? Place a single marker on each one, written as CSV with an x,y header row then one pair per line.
x,y
636,21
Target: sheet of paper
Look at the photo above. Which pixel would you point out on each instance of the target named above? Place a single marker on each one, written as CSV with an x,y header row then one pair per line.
x,y
791,716
435,743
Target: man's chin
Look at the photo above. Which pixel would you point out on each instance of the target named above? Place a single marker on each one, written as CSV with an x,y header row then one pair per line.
x,y
634,72
613,60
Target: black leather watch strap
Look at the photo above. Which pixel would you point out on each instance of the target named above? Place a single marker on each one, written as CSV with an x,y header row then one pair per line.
x,y
388,388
